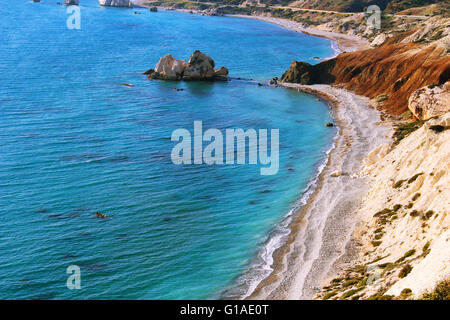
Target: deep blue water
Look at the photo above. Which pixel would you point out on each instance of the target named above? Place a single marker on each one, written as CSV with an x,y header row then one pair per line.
x,y
73,141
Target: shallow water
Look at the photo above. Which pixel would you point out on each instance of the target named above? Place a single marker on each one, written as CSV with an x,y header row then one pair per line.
x,y
73,141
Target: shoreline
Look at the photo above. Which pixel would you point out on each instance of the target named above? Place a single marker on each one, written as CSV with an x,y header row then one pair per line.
x,y
345,42
321,232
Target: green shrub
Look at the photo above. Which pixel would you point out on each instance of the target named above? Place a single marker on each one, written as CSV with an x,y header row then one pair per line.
x,y
441,292
403,130
414,177
408,254
428,215
405,271
398,184
349,293
414,213
329,295
416,196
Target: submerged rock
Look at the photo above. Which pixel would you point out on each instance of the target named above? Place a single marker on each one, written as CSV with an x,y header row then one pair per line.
x,y
116,3
199,67
100,215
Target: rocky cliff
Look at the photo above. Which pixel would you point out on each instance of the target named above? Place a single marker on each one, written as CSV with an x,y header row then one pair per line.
x,y
395,69
404,222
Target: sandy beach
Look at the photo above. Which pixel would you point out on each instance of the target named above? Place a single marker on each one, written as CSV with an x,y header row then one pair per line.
x,y
318,236
345,43
320,239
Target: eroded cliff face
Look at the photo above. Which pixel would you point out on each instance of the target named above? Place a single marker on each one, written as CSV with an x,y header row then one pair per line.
x,y
404,220
395,69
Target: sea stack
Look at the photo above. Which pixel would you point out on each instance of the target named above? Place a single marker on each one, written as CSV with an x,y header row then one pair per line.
x,y
199,67
116,3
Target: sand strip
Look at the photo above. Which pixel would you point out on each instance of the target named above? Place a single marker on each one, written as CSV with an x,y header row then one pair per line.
x,y
345,42
320,239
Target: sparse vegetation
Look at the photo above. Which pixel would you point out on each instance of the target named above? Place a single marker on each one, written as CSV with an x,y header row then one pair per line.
x,y
329,295
398,184
414,178
416,196
403,130
405,271
427,215
441,292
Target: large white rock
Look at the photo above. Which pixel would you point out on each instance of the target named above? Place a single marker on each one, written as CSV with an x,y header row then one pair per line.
x,y
116,3
430,101
380,39
169,68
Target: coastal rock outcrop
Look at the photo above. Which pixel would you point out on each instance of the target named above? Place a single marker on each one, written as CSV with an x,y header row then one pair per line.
x,y
116,3
305,73
395,69
199,67
430,101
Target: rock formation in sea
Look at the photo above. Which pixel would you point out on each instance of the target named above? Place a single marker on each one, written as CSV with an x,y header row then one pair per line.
x,y
116,3
199,67
71,2
430,101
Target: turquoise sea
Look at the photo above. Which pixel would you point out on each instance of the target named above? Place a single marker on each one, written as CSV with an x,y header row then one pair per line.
x,y
73,141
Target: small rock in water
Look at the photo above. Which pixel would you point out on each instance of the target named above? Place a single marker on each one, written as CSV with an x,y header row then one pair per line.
x,y
260,84
336,173
274,81
329,124
100,215
177,89
153,9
